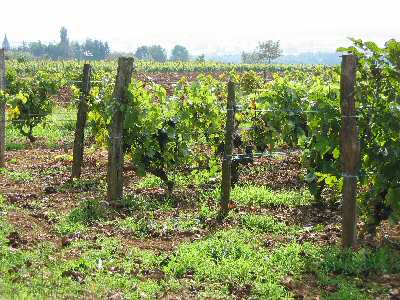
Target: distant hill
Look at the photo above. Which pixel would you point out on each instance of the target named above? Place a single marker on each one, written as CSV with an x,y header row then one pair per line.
x,y
327,58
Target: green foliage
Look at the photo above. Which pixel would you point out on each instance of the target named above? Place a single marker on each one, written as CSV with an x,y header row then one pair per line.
x,y
162,135
30,99
378,90
250,82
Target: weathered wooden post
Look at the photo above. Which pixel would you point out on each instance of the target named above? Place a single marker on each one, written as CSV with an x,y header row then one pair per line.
x,y
228,147
350,150
115,154
2,110
81,123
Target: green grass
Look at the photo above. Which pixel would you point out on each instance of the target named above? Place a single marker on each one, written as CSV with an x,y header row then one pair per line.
x,y
263,224
148,225
223,263
264,197
102,269
218,265
83,185
78,219
233,259
195,178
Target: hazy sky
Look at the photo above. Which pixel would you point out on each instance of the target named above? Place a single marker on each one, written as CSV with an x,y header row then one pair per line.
x,y
205,25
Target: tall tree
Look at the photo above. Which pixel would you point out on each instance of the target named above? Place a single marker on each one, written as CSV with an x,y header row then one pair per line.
x,y
64,44
269,50
6,44
143,53
180,53
158,53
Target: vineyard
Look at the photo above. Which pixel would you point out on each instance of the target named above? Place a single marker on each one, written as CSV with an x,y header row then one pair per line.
x,y
144,180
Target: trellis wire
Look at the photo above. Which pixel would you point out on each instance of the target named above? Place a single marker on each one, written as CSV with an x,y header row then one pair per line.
x,y
294,111
51,114
26,120
275,110
256,154
80,81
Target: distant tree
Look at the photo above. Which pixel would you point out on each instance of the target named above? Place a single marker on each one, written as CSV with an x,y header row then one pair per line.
x,y
96,48
23,47
77,50
143,53
158,53
266,52
6,44
200,58
180,53
38,49
107,50
250,58
269,50
53,51
64,49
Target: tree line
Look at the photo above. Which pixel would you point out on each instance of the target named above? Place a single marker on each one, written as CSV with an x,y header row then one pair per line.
x,y
266,52
158,53
94,50
64,49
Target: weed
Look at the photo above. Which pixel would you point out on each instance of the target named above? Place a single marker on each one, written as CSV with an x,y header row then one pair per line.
x,y
17,176
86,213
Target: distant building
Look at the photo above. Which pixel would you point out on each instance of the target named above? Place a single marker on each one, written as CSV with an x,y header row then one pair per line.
x,y
6,44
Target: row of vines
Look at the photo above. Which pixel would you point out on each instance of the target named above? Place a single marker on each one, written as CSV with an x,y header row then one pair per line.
x,y
299,108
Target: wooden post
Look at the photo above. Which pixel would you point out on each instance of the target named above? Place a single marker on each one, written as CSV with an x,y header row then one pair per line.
x,y
228,147
350,150
115,154
81,123
2,110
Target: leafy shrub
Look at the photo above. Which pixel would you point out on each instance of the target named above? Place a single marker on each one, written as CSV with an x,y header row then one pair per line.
x,y
30,100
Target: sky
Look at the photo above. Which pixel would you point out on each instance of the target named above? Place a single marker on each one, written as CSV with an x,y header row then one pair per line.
x,y
205,26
